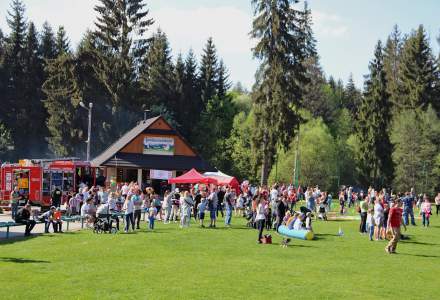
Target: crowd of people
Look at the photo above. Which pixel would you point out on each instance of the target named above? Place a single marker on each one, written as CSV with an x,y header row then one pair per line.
x,y
264,208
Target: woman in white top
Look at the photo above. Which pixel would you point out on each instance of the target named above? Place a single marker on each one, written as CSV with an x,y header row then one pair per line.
x,y
128,209
166,206
378,218
437,204
260,219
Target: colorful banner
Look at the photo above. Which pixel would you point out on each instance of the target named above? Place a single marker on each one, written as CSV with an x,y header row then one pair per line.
x,y
158,146
160,174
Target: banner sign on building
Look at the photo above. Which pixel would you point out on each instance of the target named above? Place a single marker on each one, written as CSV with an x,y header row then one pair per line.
x,y
159,146
160,174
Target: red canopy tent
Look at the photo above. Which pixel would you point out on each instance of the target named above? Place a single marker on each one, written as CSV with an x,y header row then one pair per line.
x,y
223,179
192,176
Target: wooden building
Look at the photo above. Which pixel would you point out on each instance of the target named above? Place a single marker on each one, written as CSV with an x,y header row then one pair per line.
x,y
150,153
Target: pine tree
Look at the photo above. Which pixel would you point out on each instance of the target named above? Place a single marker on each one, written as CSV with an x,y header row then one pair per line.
x,y
315,99
392,58
33,76
352,96
208,75
418,73
306,32
373,125
14,100
67,132
121,28
157,78
194,105
62,43
280,47
48,44
179,96
223,83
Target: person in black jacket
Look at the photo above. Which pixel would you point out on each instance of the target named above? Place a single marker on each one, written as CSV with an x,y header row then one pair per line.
x,y
24,217
282,207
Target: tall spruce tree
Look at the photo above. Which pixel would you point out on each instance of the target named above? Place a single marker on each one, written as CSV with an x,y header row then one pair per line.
x,y
67,130
223,83
194,105
277,93
352,96
179,96
120,34
14,100
33,76
418,72
392,58
48,44
62,43
373,125
208,75
157,78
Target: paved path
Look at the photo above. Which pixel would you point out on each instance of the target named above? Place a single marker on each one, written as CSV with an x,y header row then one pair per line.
x,y
18,231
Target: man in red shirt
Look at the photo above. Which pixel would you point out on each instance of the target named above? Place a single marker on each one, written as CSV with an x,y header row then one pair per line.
x,y
394,223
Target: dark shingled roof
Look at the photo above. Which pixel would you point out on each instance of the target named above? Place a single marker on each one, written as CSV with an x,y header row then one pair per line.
x,y
111,157
123,141
159,162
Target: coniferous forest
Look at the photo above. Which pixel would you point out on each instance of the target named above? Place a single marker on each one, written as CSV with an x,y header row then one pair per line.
x,y
385,134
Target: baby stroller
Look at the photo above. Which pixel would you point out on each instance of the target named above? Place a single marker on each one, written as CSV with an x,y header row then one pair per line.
x,y
103,224
249,218
322,212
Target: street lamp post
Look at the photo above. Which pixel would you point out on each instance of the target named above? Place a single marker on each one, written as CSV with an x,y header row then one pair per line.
x,y
89,129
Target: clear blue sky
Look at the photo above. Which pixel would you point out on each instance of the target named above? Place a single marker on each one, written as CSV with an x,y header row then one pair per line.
x,y
346,30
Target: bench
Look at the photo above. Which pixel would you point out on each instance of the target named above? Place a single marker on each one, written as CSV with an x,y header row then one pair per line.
x,y
9,224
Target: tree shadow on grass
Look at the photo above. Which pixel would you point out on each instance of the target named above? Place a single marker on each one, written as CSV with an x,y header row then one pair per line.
x,y
292,244
22,260
17,239
420,243
420,255
324,236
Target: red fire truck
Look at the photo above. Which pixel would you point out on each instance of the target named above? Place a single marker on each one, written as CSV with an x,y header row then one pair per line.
x,y
36,179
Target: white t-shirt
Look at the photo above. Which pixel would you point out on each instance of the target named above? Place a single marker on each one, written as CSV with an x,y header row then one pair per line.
x,y
128,207
260,212
85,209
125,189
298,224
378,210
274,195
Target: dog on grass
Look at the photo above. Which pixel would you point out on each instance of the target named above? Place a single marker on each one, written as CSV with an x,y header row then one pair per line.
x,y
285,242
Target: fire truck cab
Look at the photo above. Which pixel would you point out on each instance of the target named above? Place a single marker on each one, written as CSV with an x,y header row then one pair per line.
x,y
36,179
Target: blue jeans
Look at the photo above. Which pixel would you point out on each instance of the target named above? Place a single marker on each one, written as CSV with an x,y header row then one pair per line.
x,y
406,212
14,209
129,219
371,231
425,219
151,222
228,215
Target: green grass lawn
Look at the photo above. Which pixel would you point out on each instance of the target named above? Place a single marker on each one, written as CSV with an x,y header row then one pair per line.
x,y
195,263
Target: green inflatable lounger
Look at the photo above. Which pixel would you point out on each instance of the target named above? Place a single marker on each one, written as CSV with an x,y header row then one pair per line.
x,y
297,234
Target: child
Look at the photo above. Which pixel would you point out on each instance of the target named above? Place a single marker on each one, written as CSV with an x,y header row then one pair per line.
x,y
309,221
370,223
201,209
291,221
286,218
426,212
152,213
57,222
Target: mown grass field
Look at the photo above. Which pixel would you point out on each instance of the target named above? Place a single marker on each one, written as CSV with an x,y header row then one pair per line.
x,y
195,263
